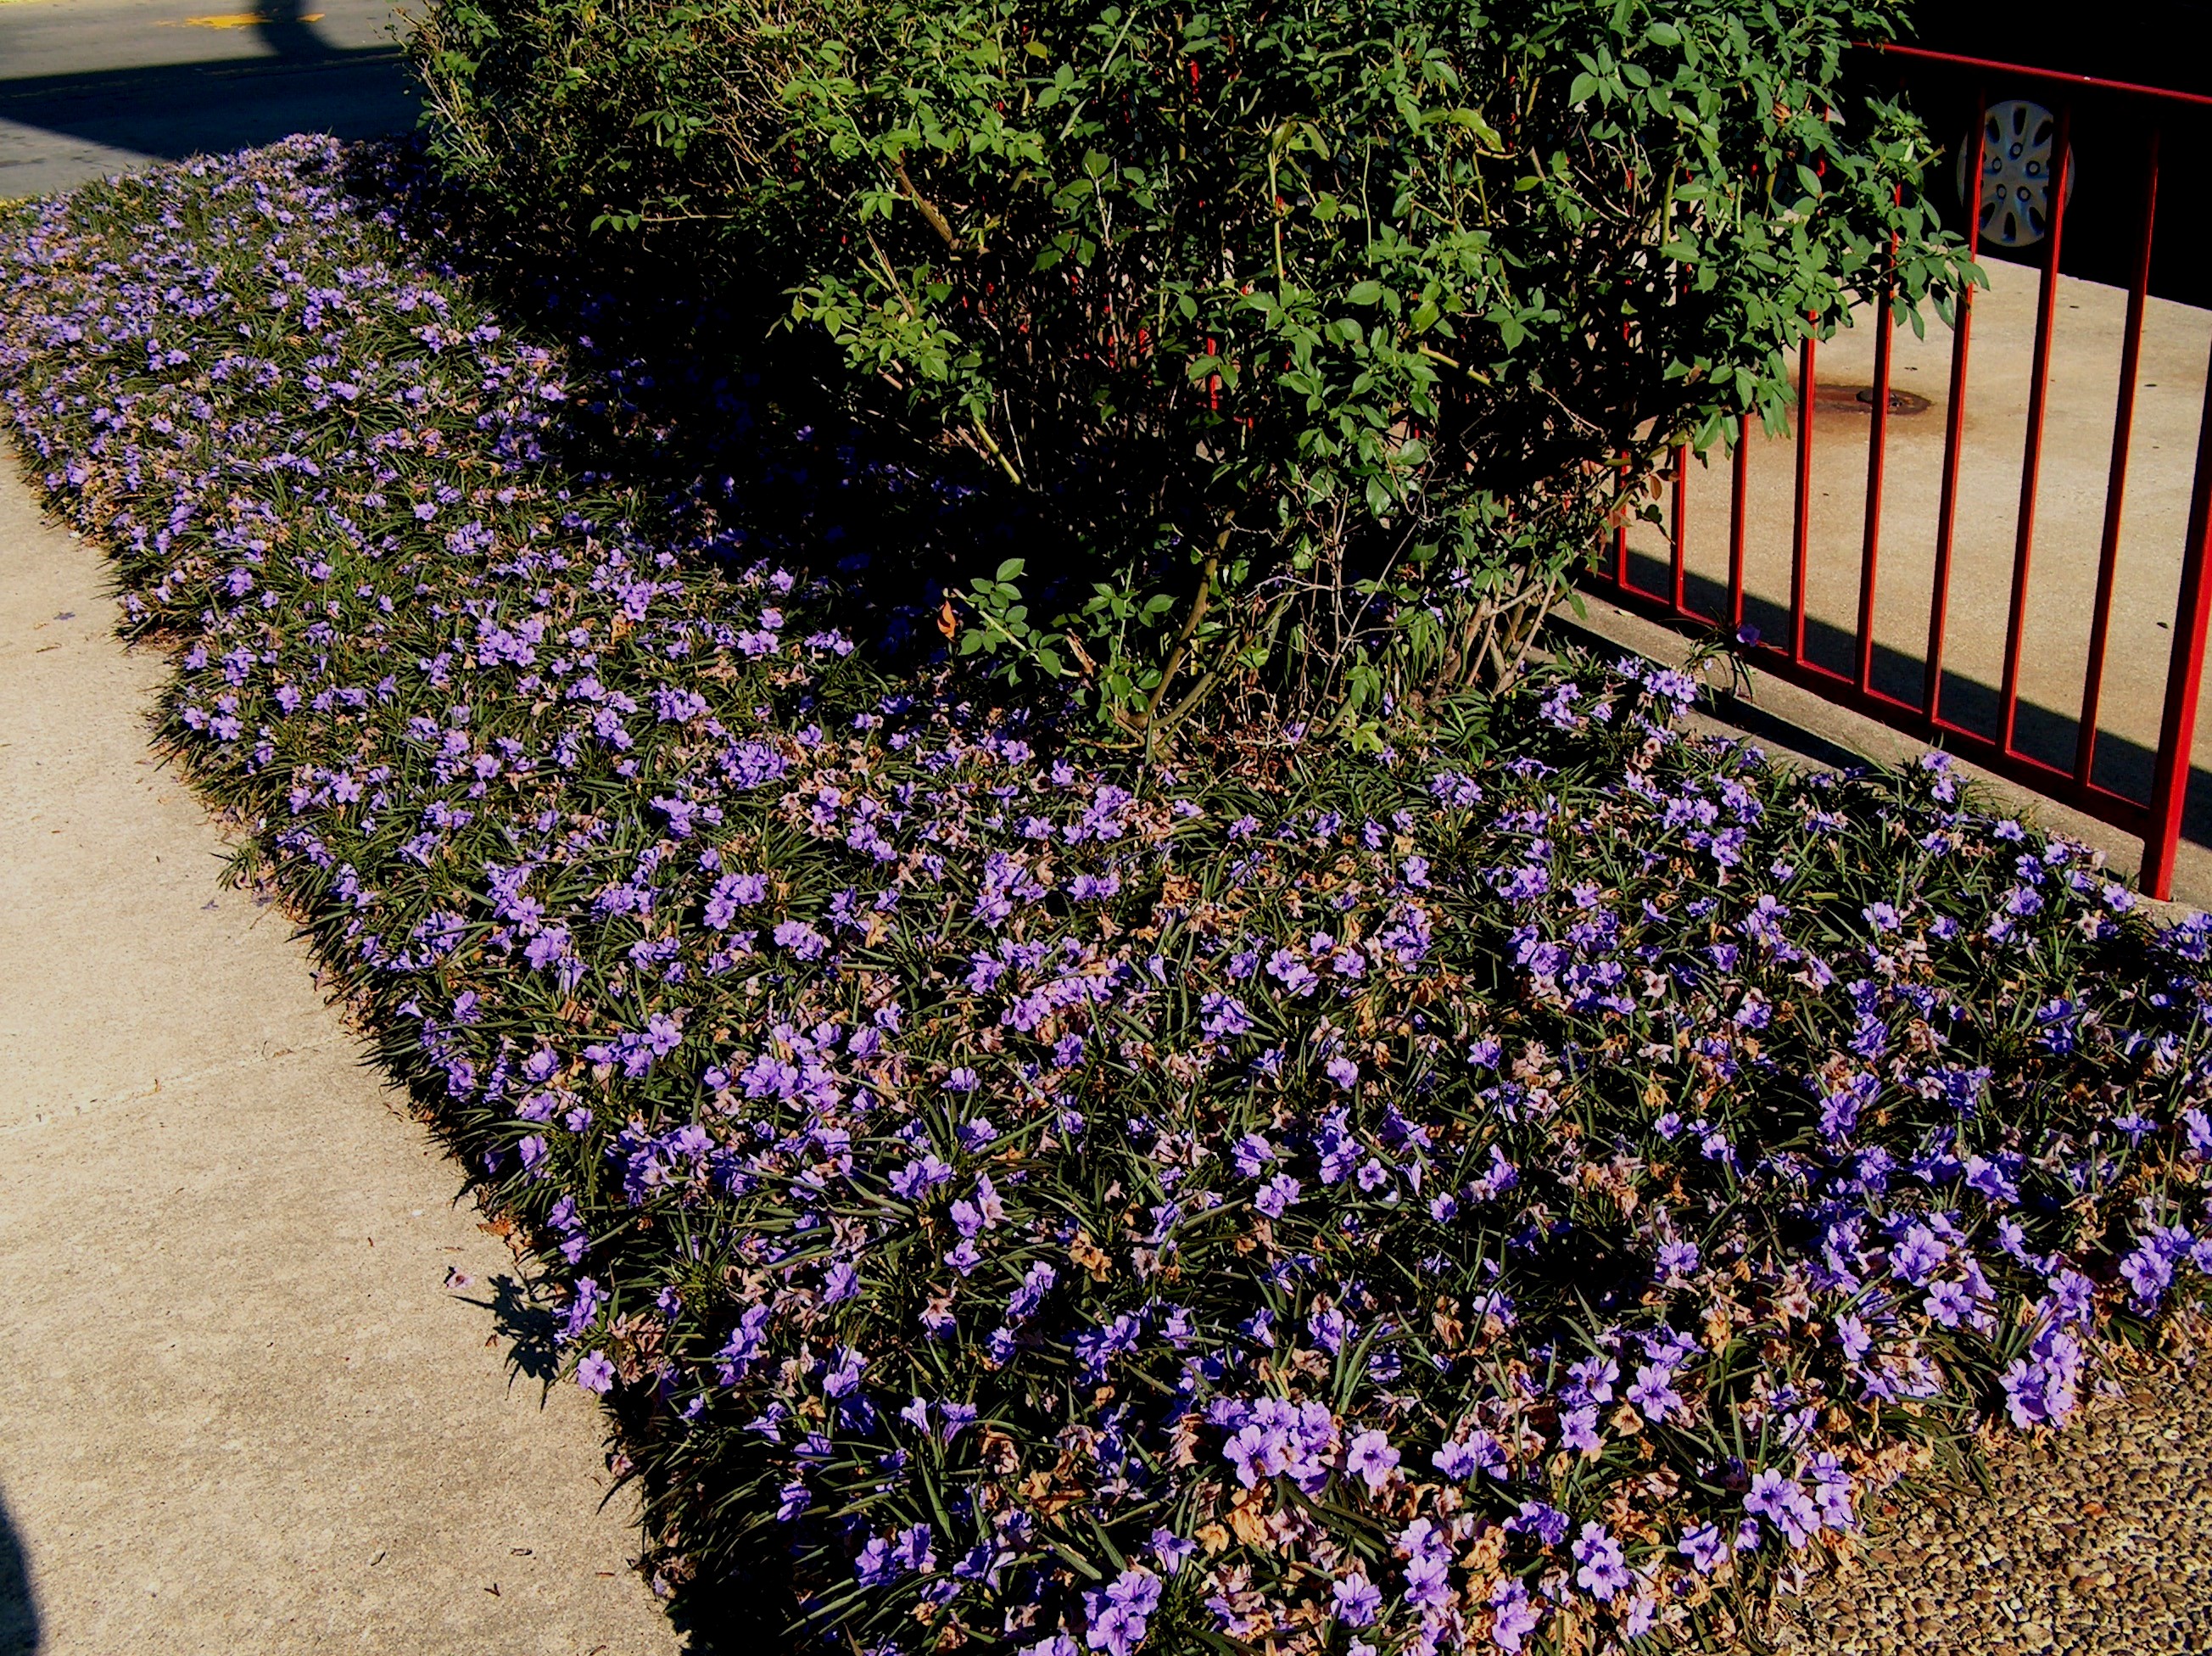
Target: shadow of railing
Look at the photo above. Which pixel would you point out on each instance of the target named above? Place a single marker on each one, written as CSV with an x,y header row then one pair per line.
x,y
167,112
2041,732
19,1610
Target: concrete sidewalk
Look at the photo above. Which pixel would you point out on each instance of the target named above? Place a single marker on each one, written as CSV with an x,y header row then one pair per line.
x,y
242,1413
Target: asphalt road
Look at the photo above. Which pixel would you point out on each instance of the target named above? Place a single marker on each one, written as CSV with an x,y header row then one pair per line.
x,y
88,87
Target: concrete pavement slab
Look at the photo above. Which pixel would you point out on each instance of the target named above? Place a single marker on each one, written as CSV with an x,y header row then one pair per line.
x,y
245,1414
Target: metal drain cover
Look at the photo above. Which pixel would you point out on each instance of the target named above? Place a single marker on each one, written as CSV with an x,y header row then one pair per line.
x,y
1859,399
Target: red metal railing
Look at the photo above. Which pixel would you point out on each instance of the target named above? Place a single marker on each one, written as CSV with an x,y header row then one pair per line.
x,y
2158,818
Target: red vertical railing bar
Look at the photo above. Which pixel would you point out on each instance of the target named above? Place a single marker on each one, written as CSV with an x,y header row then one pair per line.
x,y
1677,544
1954,426
1877,447
1621,529
2177,736
2108,556
1739,487
2031,465
1677,549
1801,525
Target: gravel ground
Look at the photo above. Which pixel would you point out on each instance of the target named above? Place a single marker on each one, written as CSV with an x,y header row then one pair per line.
x,y
2096,1541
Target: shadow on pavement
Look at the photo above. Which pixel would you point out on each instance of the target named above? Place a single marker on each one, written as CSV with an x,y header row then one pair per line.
x,y
19,1611
171,111
530,1327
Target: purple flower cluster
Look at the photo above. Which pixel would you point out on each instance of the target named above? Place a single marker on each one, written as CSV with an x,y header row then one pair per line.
x,y
1464,1197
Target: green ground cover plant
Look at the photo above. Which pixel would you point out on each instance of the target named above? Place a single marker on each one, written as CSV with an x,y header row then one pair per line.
x,y
1531,1183
1321,339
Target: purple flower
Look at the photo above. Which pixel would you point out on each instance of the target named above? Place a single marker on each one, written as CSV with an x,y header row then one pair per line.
x,y
913,1549
1513,1617
1172,1551
1116,1629
1705,1547
1136,1589
1358,1599
1783,1503
874,1565
731,893
1851,1335
1578,1430
1370,1458
1654,1394
844,1375
2148,1273
1604,1568
1223,1017
1117,1615
1256,1453
1917,1255
1292,973
1461,1460
1455,789
801,938
1428,1580
1275,1197
595,1374
1546,1522
1947,1303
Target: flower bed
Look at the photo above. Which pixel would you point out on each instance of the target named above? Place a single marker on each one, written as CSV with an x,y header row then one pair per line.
x,y
1529,1187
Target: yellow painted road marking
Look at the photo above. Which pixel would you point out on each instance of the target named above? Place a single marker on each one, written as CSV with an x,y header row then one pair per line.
x,y
240,20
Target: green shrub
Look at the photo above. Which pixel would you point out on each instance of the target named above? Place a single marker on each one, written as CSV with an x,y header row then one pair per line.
x,y
1324,337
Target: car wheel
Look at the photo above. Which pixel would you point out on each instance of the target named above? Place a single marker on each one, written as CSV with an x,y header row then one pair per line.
x,y
2019,141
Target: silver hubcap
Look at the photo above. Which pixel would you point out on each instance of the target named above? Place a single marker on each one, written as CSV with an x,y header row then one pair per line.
x,y
2019,150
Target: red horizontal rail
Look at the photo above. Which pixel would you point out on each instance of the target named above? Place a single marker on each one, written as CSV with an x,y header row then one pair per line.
x,y
2054,77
